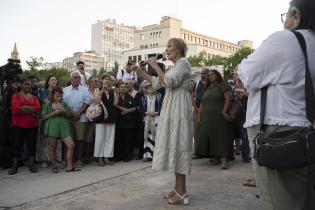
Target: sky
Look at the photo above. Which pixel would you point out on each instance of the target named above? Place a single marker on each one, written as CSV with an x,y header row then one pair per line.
x,y
55,29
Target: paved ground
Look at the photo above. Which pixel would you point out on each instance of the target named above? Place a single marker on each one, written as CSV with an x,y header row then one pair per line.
x,y
132,186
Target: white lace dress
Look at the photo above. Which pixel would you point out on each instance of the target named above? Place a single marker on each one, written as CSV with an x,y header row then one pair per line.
x,y
173,145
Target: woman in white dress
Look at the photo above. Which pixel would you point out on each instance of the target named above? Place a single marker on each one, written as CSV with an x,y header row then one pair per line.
x,y
173,146
105,131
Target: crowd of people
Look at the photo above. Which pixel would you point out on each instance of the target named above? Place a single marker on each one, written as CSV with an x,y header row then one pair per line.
x,y
168,118
59,127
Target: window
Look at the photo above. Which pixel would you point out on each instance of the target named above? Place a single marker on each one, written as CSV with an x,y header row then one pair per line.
x,y
139,58
141,36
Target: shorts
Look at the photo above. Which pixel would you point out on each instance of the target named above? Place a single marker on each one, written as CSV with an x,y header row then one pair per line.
x,y
78,130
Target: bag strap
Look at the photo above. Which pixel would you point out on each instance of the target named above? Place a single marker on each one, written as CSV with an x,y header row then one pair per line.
x,y
309,91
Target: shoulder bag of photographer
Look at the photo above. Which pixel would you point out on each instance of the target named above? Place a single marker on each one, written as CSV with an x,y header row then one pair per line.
x,y
288,147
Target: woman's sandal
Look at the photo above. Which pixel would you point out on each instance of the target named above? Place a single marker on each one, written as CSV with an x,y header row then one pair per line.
x,y
169,195
251,183
13,170
55,169
179,199
73,169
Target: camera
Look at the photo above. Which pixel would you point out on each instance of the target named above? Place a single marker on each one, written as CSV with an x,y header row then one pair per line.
x,y
11,72
157,57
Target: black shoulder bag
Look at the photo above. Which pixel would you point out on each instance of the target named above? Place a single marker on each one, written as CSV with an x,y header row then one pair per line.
x,y
288,147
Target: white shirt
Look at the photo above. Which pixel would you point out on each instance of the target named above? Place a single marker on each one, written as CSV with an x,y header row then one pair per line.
x,y
87,75
75,98
151,103
280,64
126,75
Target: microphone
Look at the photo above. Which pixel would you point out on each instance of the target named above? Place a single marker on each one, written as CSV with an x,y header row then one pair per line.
x,y
157,57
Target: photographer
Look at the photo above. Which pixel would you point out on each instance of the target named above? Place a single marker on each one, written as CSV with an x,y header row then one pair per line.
x,y
10,77
83,74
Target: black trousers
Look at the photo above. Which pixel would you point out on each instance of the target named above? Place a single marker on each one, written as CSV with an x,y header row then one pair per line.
x,y
5,142
29,135
123,144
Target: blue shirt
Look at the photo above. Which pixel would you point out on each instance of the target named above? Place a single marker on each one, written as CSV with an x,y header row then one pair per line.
x,y
75,97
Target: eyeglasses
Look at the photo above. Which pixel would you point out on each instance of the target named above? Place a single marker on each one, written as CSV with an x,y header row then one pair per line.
x,y
284,17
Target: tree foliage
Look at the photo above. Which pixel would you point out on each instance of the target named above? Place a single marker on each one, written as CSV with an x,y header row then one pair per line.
x,y
63,75
229,63
114,70
36,68
35,63
198,60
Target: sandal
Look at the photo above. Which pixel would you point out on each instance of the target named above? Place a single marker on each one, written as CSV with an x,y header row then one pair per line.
x,y
251,183
13,170
55,169
179,199
73,169
169,195
33,168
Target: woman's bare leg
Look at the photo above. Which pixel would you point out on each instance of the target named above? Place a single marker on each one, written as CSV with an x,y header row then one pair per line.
x,y
69,154
52,141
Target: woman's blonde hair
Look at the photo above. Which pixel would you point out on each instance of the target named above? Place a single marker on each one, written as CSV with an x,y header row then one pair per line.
x,y
180,45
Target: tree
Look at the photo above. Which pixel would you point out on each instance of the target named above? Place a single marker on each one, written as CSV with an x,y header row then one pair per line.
x,y
101,72
63,75
94,73
114,70
237,58
35,63
216,60
198,60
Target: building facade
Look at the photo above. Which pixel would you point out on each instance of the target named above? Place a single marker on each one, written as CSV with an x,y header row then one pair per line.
x,y
111,40
152,39
53,65
91,59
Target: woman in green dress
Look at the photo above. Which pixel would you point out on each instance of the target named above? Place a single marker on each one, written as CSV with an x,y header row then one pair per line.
x,y
213,133
56,125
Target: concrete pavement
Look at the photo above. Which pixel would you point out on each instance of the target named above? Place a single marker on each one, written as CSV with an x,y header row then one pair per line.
x,y
129,186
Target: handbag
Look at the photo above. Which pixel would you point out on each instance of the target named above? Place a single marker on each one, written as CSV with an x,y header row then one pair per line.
x,y
97,113
287,147
236,111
